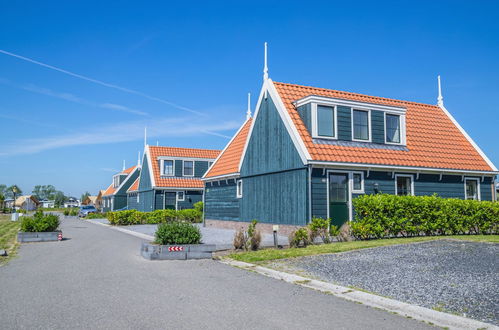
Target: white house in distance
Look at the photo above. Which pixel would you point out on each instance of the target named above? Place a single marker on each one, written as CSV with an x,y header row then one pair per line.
x,y
28,203
72,202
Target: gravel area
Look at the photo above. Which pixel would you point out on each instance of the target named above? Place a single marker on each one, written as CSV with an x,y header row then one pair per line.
x,y
452,276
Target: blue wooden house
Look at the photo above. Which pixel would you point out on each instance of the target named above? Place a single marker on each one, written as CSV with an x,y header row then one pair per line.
x,y
308,152
115,196
170,178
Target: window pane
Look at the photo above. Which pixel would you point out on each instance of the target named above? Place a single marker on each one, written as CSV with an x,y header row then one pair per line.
x,y
357,181
471,189
325,121
188,168
403,186
360,125
168,167
393,128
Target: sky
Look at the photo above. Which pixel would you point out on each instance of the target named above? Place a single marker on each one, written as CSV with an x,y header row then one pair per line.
x,y
79,81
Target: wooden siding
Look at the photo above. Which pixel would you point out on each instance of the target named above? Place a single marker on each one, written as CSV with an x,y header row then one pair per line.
x,y
270,147
132,202
279,198
145,175
221,202
305,112
122,191
191,198
200,168
146,201
344,117
377,126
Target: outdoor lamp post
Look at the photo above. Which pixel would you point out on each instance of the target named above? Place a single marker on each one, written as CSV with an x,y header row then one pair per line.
x,y
14,215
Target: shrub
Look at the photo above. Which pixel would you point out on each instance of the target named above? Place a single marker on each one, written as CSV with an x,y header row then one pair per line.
x,y
73,212
40,223
379,216
248,240
66,212
239,239
190,215
319,227
96,215
199,206
299,237
158,216
177,233
123,218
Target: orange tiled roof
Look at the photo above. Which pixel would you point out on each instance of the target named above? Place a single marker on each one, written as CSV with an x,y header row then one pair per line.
x,y
228,162
177,182
134,186
129,170
433,140
109,191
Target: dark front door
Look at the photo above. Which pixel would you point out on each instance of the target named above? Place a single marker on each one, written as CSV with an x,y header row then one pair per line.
x,y
338,198
170,200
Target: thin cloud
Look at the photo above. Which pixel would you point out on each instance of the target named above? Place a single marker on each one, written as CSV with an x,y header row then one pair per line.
x,y
123,132
122,108
102,83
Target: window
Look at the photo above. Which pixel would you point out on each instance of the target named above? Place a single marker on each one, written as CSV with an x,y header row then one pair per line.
x,y
325,121
358,182
188,168
239,188
471,189
180,196
360,125
168,168
392,124
116,181
403,185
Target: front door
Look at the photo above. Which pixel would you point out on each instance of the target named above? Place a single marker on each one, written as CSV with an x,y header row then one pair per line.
x,y
170,200
338,198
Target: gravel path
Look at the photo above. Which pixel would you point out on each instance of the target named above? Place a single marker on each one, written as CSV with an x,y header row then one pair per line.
x,y
452,276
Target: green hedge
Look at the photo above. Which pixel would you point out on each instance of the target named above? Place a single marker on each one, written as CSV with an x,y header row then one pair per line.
x,y
134,217
379,216
40,222
177,233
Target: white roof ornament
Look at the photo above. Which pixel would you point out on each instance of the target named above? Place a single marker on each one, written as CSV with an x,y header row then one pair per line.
x,y
248,112
440,99
145,136
138,160
265,68
124,165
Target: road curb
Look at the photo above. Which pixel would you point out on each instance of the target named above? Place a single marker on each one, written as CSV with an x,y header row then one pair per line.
x,y
126,231
416,312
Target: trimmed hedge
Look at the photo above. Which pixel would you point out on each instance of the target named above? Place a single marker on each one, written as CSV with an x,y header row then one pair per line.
x,y
382,215
177,233
40,223
134,217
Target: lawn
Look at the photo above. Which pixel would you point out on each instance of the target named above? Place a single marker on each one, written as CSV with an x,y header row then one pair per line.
x,y
8,232
273,254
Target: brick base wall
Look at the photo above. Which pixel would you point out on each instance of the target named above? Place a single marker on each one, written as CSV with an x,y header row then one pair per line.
x,y
266,228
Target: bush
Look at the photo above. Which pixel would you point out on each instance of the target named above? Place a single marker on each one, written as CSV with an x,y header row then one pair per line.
x,y
199,206
40,223
190,215
319,227
96,215
158,216
299,237
177,233
123,218
66,212
73,212
379,216
239,239
248,240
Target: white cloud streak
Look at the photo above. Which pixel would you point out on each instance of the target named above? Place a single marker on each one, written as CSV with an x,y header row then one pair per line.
x,y
123,132
102,83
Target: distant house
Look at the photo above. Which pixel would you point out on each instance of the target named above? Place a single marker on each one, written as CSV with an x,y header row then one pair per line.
x,y
115,196
93,201
170,178
72,202
48,204
9,203
27,203
308,152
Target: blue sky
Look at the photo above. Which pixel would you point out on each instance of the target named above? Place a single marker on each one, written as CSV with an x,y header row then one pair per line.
x,y
184,71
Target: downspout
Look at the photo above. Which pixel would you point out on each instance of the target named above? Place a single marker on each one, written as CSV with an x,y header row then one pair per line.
x,y
204,206
309,193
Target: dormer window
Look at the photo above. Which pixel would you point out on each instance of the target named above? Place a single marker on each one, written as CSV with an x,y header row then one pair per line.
x,y
188,168
168,167
324,121
393,129
360,125
116,181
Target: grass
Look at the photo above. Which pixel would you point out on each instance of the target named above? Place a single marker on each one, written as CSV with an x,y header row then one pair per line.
x,y
8,232
261,256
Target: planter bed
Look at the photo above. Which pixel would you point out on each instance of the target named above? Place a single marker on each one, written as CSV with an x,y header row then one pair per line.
x,y
24,237
177,252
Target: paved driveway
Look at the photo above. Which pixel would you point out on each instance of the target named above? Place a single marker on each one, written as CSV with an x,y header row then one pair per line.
x,y
97,279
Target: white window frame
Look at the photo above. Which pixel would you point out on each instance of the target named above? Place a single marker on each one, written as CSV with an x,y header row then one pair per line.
x,y
369,126
411,176
116,177
477,188
163,167
239,188
183,167
403,140
138,197
357,191
183,196
315,129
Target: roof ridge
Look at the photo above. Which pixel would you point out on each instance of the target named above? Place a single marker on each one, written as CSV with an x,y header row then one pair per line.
x,y
181,148
359,94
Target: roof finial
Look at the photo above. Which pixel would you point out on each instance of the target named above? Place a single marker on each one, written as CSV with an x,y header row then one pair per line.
x,y
124,165
248,112
265,68
440,97
138,160
145,136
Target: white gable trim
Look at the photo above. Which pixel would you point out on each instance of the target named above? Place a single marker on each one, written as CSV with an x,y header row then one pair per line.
x,y
125,181
149,164
470,140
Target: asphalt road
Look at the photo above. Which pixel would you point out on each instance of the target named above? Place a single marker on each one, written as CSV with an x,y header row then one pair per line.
x,y
97,280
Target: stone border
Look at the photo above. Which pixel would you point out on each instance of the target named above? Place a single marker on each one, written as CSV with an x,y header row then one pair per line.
x,y
26,237
187,251
407,310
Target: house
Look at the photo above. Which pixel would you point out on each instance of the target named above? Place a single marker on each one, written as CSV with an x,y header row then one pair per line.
x,y
9,203
72,202
308,152
48,204
27,203
95,201
170,178
115,196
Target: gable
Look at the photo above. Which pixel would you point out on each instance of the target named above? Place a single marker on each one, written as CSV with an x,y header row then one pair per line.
x,y
270,147
145,174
